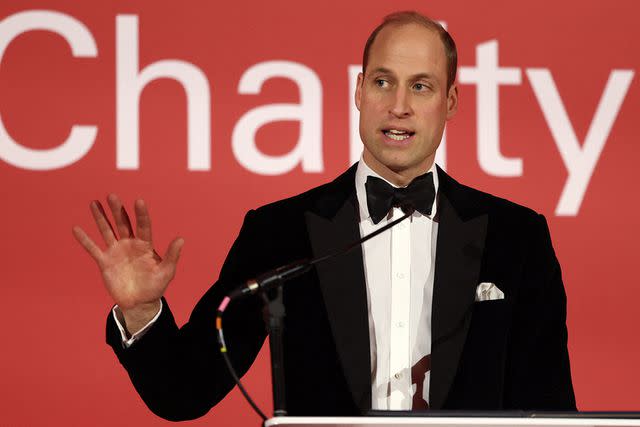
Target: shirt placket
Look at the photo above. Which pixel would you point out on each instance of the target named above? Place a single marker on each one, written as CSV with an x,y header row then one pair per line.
x,y
399,348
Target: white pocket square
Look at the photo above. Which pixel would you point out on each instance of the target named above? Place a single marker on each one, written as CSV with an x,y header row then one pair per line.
x,y
487,291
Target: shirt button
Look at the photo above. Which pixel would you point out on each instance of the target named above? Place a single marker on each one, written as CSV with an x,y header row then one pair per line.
x,y
398,376
400,275
400,324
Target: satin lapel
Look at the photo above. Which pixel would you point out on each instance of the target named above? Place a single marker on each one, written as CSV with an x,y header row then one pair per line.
x,y
343,287
460,246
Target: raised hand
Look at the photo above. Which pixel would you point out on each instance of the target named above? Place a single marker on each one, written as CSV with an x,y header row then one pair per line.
x,y
133,273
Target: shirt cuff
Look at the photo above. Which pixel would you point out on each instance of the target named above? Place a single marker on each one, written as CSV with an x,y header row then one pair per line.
x,y
119,319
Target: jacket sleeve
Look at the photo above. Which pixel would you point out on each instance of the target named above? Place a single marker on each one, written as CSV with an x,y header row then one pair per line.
x,y
179,372
538,372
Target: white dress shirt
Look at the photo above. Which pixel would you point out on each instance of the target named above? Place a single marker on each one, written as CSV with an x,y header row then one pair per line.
x,y
119,318
399,271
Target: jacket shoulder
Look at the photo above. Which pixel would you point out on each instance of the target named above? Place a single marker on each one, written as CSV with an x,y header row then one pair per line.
x,y
504,214
321,199
472,202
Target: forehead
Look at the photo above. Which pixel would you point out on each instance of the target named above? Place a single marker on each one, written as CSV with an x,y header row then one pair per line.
x,y
408,48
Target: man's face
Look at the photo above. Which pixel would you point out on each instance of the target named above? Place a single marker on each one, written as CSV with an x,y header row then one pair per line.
x,y
404,102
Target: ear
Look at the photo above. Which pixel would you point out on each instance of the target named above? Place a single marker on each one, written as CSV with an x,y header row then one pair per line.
x,y
452,101
358,94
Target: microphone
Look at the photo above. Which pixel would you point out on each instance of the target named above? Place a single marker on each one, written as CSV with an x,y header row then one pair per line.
x,y
273,278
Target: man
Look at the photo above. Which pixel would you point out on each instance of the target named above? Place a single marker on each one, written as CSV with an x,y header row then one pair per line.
x,y
459,307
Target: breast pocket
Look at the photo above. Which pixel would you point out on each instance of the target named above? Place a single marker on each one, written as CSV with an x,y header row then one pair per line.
x,y
480,377
489,329
490,318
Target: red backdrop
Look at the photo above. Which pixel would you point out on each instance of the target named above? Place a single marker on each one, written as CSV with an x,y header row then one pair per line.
x,y
549,104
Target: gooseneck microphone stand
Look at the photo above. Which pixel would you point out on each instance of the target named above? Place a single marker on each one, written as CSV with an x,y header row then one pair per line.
x,y
269,286
276,312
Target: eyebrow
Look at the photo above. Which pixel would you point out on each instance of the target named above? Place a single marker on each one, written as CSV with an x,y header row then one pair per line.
x,y
382,70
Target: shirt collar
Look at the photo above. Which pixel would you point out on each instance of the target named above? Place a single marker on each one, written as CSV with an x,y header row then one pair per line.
x,y
363,171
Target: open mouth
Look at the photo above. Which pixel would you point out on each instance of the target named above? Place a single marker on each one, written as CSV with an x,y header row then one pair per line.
x,y
397,134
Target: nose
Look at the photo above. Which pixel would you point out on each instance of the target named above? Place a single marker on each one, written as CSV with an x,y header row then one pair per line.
x,y
401,106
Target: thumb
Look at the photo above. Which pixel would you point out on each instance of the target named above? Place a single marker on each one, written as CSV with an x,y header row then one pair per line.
x,y
173,251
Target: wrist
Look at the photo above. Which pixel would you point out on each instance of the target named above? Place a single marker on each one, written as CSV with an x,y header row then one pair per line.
x,y
136,318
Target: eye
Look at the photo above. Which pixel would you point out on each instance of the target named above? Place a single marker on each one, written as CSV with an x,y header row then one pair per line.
x,y
381,83
420,87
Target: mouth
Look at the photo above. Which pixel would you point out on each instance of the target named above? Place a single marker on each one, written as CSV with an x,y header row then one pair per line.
x,y
397,135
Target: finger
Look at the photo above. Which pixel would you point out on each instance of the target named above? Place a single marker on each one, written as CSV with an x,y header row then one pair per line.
x,y
143,221
104,226
123,223
88,244
173,252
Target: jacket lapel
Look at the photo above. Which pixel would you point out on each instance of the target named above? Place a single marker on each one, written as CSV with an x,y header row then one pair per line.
x,y
332,225
462,230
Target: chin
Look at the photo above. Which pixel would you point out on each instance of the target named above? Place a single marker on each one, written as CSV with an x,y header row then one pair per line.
x,y
396,162
394,159
396,166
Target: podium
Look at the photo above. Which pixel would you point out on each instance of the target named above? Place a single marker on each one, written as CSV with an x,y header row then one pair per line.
x,y
529,420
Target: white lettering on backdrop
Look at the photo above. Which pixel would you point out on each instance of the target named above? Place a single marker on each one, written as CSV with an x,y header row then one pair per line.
x,y
308,150
129,85
579,159
580,162
488,76
83,45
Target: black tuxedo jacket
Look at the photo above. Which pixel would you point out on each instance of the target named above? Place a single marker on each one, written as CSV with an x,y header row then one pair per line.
x,y
491,355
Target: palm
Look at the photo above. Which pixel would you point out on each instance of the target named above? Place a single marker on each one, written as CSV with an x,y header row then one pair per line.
x,y
133,272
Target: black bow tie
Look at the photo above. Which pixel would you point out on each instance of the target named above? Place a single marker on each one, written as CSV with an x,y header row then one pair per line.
x,y
381,196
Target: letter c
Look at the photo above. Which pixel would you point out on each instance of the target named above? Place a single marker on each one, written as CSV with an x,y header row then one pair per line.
x,y
82,43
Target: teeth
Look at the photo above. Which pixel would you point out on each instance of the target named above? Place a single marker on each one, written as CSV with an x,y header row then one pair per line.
x,y
396,135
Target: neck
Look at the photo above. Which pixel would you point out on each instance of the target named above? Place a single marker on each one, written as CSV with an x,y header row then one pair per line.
x,y
401,176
